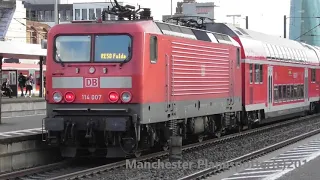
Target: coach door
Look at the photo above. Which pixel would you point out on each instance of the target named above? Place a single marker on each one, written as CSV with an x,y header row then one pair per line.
x,y
270,86
306,88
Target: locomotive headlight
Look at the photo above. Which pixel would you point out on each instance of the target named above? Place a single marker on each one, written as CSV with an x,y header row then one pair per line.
x,y
57,97
126,97
92,70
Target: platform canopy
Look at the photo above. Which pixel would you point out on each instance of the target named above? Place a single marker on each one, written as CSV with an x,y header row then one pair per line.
x,y
19,50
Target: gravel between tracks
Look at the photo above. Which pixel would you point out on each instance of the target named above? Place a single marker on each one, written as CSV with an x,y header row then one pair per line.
x,y
218,153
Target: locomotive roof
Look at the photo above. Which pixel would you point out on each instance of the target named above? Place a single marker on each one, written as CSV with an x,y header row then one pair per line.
x,y
158,27
128,26
193,33
271,47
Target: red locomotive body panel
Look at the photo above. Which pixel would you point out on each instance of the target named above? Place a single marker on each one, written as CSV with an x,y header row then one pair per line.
x,y
197,70
201,70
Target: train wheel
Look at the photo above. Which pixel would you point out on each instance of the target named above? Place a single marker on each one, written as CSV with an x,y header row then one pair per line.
x,y
137,154
200,138
218,134
165,146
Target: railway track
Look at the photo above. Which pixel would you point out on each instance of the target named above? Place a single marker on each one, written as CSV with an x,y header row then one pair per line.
x,y
227,165
64,170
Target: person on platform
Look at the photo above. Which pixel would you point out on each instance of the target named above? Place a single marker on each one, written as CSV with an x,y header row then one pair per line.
x,y
22,83
29,85
6,88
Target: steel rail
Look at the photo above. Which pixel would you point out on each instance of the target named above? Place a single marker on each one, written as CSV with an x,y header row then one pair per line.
x,y
34,170
162,154
245,158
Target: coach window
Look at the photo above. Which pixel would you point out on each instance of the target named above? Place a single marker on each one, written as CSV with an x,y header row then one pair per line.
x,y
251,73
295,92
292,92
284,92
289,95
301,90
276,93
313,75
153,49
257,75
280,93
238,57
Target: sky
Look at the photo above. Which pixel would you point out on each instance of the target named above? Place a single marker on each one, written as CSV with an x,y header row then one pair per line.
x,y
265,16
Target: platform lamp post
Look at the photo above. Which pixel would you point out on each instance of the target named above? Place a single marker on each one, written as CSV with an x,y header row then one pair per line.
x,y
284,26
171,8
247,22
56,12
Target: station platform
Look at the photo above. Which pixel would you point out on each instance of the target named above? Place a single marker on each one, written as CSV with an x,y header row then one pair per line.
x,y
22,106
21,116
297,161
309,171
11,127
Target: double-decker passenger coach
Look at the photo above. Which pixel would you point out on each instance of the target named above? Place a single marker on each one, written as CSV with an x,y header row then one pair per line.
x,y
281,76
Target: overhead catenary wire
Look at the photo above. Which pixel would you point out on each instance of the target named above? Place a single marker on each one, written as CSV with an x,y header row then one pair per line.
x,y
307,31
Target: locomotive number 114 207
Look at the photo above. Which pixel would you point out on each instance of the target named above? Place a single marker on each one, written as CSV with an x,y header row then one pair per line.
x,y
91,97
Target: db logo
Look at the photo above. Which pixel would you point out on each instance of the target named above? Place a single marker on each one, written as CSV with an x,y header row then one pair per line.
x,y
91,82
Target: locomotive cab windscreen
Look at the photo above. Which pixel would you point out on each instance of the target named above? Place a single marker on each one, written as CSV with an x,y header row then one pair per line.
x,y
107,48
94,67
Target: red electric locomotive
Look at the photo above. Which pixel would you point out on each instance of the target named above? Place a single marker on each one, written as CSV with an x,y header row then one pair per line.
x,y
121,87
280,76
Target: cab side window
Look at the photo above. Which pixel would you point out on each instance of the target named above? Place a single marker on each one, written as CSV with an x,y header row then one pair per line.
x,y
153,49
